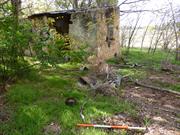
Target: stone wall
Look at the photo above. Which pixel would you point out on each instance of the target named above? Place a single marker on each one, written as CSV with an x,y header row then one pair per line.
x,y
84,28
100,30
108,38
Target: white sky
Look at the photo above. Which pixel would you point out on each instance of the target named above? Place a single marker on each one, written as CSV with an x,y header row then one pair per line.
x,y
156,4
146,17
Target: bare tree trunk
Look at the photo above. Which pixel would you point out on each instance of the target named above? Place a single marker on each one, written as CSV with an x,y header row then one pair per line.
x,y
123,36
16,4
176,34
75,4
159,34
132,34
157,41
150,46
135,33
166,37
144,35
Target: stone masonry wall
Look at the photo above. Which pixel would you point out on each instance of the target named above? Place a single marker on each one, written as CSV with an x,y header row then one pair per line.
x,y
100,30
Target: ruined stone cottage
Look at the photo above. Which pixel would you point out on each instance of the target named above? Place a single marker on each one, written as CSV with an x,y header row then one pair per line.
x,y
98,27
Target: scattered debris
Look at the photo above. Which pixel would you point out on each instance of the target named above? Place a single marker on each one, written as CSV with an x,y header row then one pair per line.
x,y
88,80
106,86
102,84
52,129
71,101
115,80
106,90
158,107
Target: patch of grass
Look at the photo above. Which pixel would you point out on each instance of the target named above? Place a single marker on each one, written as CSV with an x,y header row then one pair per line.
x,y
147,59
29,120
154,60
69,65
23,94
105,106
175,87
147,121
38,102
134,73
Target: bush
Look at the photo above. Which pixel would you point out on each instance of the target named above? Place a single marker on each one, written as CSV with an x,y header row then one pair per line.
x,y
14,39
48,47
57,48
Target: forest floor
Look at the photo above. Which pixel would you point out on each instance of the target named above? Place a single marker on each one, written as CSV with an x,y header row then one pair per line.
x,y
36,103
160,110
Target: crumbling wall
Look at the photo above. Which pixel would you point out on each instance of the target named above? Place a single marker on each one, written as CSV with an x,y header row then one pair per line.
x,y
84,27
108,34
100,30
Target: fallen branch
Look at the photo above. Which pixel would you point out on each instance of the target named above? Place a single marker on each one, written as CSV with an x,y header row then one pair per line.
x,y
156,88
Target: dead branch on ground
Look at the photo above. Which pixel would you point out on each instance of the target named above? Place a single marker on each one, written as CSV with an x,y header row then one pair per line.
x,y
156,88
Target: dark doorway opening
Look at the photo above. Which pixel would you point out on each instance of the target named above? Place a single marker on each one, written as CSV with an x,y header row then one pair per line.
x,y
62,23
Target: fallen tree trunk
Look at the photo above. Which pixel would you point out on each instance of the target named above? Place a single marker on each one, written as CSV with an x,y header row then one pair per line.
x,y
156,88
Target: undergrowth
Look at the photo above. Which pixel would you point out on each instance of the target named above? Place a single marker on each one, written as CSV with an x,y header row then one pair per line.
x,y
39,99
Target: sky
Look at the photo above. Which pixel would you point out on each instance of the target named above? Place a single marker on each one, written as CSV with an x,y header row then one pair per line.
x,y
155,4
146,17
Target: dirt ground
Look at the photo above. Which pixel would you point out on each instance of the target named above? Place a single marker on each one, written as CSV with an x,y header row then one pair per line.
x,y
160,110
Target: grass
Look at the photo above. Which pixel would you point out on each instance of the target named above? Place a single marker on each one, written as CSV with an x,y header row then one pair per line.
x,y
149,59
150,62
38,100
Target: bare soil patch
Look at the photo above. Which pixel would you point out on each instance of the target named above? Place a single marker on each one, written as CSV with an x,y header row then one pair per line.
x,y
164,77
158,110
161,109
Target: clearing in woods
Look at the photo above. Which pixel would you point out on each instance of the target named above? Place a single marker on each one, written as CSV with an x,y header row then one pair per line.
x,y
38,101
